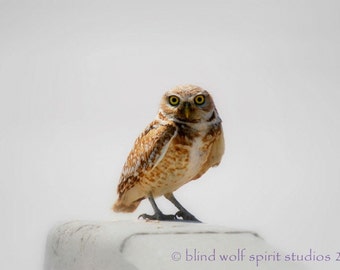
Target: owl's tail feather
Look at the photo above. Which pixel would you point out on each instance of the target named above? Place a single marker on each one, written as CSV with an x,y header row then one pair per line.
x,y
120,206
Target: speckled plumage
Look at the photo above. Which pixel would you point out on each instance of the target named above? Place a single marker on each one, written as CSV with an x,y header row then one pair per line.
x,y
180,145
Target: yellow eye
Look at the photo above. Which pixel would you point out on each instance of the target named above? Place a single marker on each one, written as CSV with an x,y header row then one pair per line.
x,y
174,100
199,100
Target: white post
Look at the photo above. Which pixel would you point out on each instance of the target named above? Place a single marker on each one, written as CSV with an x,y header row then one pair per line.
x,y
129,245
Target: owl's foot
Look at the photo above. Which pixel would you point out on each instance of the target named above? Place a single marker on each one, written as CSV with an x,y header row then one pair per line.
x,y
159,216
182,213
186,216
158,213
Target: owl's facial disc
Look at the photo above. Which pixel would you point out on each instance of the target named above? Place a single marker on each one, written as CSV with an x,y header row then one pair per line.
x,y
187,103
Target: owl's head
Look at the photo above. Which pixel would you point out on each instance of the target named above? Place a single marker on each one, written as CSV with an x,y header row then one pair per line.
x,y
188,103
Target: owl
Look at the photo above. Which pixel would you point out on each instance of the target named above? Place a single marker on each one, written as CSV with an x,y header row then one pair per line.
x,y
180,145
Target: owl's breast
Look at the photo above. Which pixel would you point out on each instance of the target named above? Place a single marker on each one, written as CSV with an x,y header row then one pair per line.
x,y
181,163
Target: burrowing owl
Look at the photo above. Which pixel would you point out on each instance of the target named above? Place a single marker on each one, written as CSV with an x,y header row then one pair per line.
x,y
180,145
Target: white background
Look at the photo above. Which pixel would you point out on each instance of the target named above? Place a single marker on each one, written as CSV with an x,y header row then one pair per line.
x,y
79,81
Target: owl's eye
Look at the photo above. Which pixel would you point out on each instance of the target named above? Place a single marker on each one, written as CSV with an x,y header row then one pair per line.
x,y
174,100
199,100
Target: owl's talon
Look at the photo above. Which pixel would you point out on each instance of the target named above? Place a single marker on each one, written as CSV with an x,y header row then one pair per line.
x,y
186,216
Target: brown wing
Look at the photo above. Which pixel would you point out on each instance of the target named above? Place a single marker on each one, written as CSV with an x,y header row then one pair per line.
x,y
148,151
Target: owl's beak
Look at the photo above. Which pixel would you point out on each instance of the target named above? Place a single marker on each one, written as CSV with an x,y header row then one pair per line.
x,y
187,110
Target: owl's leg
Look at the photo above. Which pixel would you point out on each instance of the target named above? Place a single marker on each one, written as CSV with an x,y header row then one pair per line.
x,y
158,213
183,213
